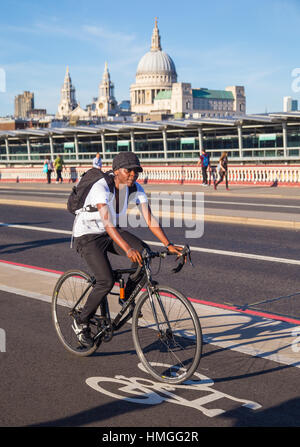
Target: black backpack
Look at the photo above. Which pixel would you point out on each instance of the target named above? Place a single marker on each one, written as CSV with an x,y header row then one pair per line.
x,y
79,192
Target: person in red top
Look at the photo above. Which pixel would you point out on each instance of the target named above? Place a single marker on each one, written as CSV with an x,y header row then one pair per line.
x,y
204,162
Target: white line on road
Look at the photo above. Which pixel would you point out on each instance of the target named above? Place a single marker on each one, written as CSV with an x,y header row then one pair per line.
x,y
193,248
27,293
29,227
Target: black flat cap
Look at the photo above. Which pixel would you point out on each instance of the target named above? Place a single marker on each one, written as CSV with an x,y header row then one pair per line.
x,y
127,160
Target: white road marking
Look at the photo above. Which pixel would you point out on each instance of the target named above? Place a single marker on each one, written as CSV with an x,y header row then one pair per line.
x,y
28,294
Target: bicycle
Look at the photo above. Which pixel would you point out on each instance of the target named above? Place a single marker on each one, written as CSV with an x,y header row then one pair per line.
x,y
166,330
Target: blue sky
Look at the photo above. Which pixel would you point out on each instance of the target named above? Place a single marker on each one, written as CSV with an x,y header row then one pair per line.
x,y
213,44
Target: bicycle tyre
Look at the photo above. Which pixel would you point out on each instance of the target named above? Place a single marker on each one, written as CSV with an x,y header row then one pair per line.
x,y
67,292
173,353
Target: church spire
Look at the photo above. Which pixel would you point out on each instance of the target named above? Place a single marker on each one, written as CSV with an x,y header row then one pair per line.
x,y
155,42
67,75
106,75
68,100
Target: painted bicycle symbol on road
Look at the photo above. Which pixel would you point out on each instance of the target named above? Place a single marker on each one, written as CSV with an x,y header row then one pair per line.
x,y
143,391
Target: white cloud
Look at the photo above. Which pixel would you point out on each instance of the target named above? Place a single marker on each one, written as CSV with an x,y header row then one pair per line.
x,y
100,31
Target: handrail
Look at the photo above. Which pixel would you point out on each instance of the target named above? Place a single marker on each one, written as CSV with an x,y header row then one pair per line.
x,y
238,174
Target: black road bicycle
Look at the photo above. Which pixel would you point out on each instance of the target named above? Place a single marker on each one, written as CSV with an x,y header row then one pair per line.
x,y
166,330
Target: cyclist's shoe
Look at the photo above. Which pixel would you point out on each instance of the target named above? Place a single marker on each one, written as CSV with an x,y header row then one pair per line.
x,y
83,332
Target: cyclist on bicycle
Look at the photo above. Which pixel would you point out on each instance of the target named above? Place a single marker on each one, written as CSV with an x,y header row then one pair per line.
x,y
97,233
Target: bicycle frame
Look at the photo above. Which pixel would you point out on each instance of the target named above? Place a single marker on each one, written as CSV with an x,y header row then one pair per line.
x,y
121,318
126,311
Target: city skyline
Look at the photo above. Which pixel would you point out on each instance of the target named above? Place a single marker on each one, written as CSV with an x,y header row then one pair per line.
x,y
213,46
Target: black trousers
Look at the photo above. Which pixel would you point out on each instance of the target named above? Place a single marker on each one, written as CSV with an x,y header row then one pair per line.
x,y
49,175
94,248
222,175
204,174
58,175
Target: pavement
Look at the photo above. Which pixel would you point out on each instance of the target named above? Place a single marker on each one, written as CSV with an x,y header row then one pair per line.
x,y
233,215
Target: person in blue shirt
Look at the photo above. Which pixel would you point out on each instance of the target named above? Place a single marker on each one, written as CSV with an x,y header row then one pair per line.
x,y
204,162
97,162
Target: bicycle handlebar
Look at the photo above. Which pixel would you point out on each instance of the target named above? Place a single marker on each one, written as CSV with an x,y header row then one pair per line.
x,y
148,254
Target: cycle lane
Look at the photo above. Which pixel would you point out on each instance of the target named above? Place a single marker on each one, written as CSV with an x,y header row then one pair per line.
x,y
241,349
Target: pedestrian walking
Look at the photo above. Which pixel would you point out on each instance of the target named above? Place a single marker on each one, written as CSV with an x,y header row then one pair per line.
x,y
97,162
204,162
50,170
222,169
59,164
46,168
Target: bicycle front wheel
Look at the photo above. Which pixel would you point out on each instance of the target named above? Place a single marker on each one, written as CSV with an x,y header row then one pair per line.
x,y
69,296
167,335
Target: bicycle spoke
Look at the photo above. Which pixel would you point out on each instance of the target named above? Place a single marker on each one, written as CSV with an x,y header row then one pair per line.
x,y
168,334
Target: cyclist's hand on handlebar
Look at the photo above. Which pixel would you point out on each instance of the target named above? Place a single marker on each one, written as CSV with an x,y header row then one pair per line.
x,y
134,256
183,253
175,249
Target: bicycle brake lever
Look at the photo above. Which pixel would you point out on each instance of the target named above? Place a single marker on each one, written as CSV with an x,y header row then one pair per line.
x,y
186,254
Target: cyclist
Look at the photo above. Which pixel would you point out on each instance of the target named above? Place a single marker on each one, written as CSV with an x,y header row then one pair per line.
x,y
97,233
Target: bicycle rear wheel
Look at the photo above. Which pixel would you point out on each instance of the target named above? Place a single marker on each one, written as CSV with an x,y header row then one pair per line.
x,y
167,335
69,296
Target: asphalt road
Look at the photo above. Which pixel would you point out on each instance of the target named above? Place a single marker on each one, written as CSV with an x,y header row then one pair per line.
x,y
42,385
215,277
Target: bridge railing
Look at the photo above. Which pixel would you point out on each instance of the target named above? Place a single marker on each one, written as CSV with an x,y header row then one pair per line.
x,y
238,174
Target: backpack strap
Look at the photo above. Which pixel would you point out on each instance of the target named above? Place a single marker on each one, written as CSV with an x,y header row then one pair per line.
x,y
109,178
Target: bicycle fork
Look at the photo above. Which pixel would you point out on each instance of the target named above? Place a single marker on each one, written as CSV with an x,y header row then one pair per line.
x,y
152,291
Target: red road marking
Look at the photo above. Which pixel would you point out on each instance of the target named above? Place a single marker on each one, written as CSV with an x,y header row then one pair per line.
x,y
194,300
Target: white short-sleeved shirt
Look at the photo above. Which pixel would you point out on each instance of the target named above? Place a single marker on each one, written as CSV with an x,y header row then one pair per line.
x,y
90,222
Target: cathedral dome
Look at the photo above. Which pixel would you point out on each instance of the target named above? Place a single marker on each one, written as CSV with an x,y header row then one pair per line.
x,y
156,62
156,66
156,72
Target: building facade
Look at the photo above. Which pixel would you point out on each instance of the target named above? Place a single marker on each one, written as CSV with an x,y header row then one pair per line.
x,y
183,100
290,104
24,104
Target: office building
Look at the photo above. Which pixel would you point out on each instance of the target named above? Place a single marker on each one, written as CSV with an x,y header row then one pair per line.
x,y
24,104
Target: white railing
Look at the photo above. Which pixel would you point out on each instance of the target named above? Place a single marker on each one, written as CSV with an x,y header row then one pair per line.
x,y
247,174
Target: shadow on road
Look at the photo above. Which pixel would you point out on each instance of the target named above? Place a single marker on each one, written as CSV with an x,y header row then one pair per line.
x,y
22,246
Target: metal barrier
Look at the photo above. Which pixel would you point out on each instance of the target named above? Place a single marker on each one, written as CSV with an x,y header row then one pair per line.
x,y
264,174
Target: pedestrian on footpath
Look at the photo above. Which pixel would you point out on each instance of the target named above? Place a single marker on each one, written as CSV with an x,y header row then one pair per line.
x,y
222,169
46,169
59,164
50,170
97,162
204,162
